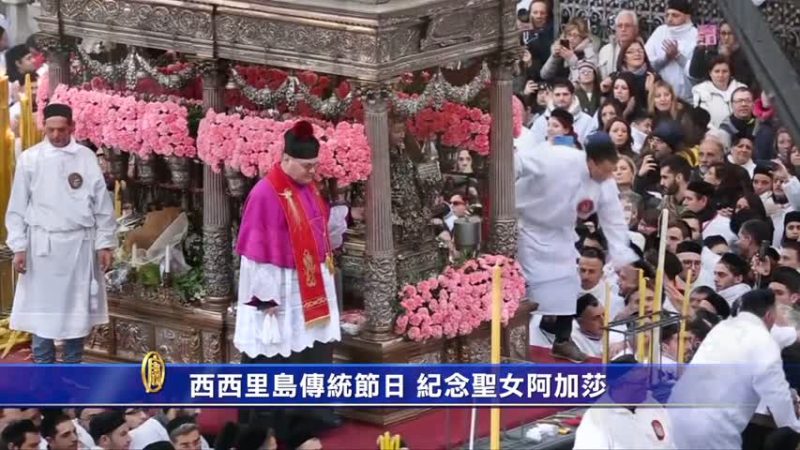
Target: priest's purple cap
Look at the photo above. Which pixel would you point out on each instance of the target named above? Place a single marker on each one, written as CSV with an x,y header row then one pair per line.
x,y
300,142
57,110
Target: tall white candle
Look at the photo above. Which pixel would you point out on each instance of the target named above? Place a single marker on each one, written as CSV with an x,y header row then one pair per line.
x,y
167,257
133,254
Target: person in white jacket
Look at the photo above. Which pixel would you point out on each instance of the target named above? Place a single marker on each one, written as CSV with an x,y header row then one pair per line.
x,y
714,95
733,395
555,186
626,426
671,46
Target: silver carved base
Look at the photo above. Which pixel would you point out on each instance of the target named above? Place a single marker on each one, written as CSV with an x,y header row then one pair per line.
x,y
216,261
503,237
380,292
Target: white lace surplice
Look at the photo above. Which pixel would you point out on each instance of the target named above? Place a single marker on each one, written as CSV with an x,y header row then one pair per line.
x,y
270,282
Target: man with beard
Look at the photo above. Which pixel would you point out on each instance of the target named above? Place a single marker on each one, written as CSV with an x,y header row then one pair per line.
x,y
712,151
675,174
667,140
671,46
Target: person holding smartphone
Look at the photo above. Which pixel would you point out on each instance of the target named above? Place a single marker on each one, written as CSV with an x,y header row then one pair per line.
x,y
560,131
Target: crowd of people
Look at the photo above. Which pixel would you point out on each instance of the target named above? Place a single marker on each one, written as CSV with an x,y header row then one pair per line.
x,y
672,121
134,428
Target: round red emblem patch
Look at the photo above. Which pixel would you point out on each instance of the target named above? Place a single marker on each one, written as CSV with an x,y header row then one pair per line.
x,y
585,207
658,429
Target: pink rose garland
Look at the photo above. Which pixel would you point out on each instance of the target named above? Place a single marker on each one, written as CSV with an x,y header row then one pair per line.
x,y
253,145
459,300
130,125
460,126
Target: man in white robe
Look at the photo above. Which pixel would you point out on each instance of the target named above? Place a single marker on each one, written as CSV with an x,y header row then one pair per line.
x,y
61,228
626,426
554,189
671,46
732,394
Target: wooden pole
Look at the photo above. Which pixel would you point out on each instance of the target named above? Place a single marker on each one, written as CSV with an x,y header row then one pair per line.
x,y
497,307
684,314
655,341
606,331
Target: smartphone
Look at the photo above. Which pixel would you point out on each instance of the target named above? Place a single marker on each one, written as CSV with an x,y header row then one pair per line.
x,y
708,34
564,43
568,141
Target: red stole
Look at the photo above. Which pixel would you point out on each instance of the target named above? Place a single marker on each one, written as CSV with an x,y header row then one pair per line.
x,y
304,245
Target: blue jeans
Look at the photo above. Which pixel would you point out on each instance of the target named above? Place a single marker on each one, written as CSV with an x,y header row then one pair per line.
x,y
44,350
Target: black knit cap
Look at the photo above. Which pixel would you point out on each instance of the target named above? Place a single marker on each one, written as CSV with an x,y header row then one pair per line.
x,y
701,187
791,216
57,110
762,169
105,423
684,6
689,247
735,263
300,142
670,132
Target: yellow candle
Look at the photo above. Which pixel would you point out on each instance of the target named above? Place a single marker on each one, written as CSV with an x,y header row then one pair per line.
x,y
662,253
684,315
640,337
606,321
497,306
117,198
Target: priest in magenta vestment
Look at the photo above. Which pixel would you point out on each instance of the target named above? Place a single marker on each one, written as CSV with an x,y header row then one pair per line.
x,y
287,307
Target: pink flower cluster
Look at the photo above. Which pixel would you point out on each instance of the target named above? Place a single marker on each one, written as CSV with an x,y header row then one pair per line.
x,y
254,144
459,300
122,129
518,110
165,130
128,124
